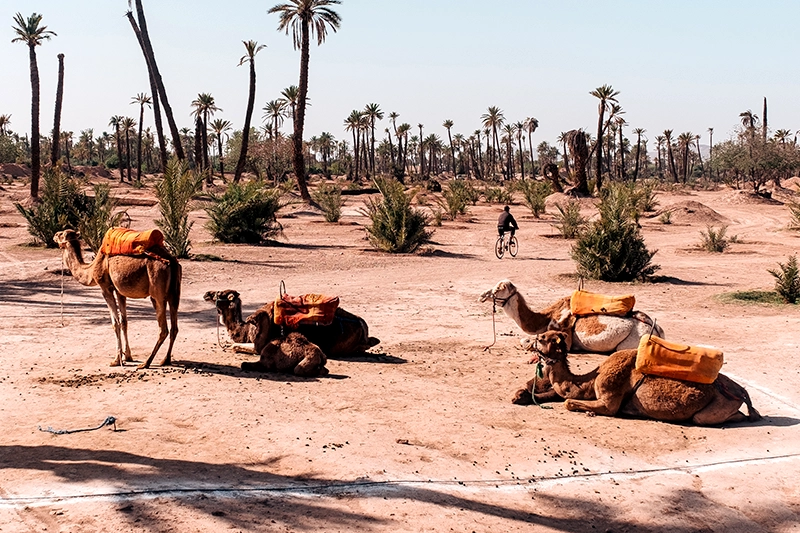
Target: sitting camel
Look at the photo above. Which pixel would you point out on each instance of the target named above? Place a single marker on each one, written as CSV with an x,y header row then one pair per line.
x,y
157,275
594,333
293,354
347,335
617,387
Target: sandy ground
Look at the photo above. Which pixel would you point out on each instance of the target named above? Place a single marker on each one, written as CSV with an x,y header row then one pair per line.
x,y
420,435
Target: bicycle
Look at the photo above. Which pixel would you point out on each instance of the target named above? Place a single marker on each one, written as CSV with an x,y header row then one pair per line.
x,y
504,244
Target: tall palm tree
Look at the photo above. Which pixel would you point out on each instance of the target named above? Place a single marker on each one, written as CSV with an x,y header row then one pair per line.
x,y
57,113
252,48
563,138
305,18
531,124
275,113
31,33
128,125
477,135
162,143
290,95
447,125
421,151
620,122
402,150
508,135
143,100
710,151
221,128
493,119
116,123
639,132
5,120
204,106
660,164
685,141
372,112
150,59
670,156
353,124
580,159
66,136
327,142
606,94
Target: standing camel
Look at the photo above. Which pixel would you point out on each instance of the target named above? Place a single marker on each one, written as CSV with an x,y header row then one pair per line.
x,y
157,275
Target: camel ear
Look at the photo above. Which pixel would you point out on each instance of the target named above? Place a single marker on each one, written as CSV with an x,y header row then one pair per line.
x,y
232,296
562,340
554,325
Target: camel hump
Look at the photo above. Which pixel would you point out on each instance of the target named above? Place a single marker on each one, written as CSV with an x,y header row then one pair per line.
x,y
123,241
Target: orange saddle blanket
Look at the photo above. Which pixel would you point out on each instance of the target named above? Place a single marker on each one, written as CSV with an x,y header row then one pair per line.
x,y
588,303
122,241
292,311
679,361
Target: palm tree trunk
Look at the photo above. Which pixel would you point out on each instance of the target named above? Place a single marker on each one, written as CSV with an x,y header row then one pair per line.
x,y
638,157
35,146
297,160
452,151
622,172
221,166
599,155
139,144
206,162
162,92
57,115
162,144
251,99
128,153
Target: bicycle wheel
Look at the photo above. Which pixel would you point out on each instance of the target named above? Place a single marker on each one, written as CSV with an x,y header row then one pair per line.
x,y
499,247
513,246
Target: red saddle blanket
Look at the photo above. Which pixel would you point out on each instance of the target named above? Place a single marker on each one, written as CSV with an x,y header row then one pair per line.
x,y
122,241
292,311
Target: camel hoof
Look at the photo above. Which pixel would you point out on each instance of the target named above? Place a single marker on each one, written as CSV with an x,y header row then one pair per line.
x,y
115,362
522,397
143,366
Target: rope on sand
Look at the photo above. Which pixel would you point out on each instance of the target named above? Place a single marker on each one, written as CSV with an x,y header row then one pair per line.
x,y
109,421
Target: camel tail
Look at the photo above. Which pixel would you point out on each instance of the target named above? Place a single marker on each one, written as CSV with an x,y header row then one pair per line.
x,y
752,414
734,391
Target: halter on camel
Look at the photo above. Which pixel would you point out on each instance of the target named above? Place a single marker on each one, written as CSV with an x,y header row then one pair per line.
x,y
503,302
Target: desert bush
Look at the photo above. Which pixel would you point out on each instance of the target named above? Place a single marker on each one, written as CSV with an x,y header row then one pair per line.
x,y
612,247
645,196
396,226
245,213
437,217
535,193
569,221
99,217
174,193
794,210
665,217
498,195
714,240
455,199
787,280
61,205
329,198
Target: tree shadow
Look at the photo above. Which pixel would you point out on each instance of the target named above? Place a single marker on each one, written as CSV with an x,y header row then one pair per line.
x,y
450,255
671,280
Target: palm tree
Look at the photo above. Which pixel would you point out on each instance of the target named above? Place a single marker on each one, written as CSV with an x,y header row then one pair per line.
x,y
204,106
290,95
29,32
128,125
580,159
57,113
372,112
710,150
402,151
150,59
531,124
5,120
327,142
563,138
447,125
659,144
493,119
477,135
221,128
142,99
508,135
116,123
670,156
421,151
305,18
275,112
639,132
606,94
685,140
353,124
66,136
252,48
162,143
620,122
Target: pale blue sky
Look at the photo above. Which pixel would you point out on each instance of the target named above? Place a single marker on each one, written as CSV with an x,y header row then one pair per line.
x,y
680,65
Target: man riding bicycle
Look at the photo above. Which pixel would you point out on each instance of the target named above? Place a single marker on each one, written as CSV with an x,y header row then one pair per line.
x,y
506,222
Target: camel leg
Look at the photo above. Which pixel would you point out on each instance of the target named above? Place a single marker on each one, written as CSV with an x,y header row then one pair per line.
x,y
173,333
161,316
719,411
113,310
308,367
605,406
123,315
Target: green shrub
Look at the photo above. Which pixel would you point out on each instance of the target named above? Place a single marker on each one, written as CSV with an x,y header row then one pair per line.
x,y
787,280
99,217
396,226
174,193
535,193
645,196
569,221
245,213
61,205
468,191
666,217
713,240
498,195
612,248
455,197
329,198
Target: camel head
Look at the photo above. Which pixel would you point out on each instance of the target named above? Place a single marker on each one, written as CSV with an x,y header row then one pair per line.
x,y
549,347
63,238
502,291
225,301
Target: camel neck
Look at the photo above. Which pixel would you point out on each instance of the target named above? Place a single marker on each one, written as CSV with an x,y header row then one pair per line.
x,y
73,258
238,330
530,321
568,385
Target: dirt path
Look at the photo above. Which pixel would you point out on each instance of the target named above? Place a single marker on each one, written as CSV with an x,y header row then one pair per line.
x,y
420,436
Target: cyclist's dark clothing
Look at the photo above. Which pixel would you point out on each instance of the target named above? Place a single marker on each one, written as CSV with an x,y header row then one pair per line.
x,y
506,223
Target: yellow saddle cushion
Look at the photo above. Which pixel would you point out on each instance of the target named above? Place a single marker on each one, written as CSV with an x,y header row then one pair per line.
x,y
122,241
678,361
588,303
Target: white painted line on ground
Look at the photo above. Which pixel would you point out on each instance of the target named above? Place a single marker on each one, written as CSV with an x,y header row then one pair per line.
x,y
775,396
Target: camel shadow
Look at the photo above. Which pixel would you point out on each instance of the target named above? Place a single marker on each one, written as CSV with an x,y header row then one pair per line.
x,y
671,280
237,372
369,357
772,421
450,255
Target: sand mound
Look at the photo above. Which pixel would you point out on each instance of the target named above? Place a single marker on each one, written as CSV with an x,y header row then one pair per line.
x,y
14,170
692,212
747,197
91,172
562,198
792,183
